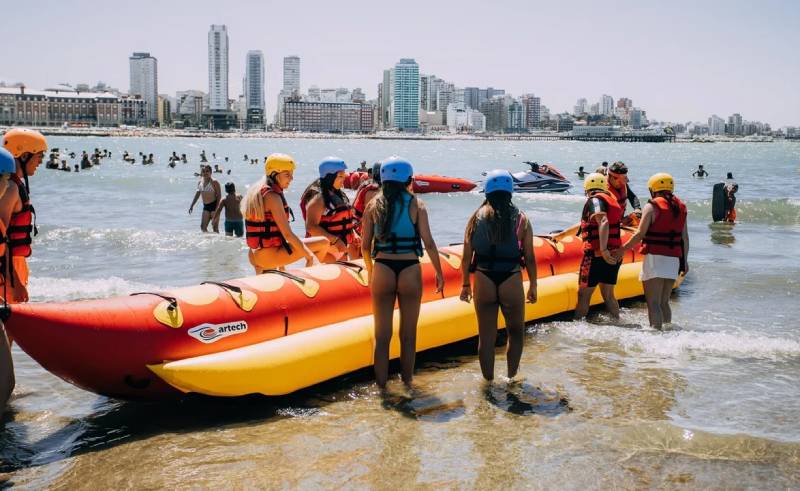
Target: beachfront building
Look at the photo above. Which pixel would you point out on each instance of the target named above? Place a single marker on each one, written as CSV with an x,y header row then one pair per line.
x,y
475,97
405,103
218,68
144,82
291,86
254,89
327,117
607,105
385,95
463,119
716,125
189,107
58,106
163,111
533,110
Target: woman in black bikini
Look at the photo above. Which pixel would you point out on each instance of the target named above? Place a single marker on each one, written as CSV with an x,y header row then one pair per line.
x,y
210,190
497,240
395,226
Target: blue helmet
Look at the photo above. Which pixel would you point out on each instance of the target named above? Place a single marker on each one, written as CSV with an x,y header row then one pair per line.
x,y
331,165
376,172
7,163
396,169
498,180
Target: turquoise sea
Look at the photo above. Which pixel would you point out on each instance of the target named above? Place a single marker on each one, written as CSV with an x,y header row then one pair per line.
x,y
713,403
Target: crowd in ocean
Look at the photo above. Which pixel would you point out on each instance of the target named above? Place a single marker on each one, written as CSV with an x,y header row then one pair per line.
x,y
387,226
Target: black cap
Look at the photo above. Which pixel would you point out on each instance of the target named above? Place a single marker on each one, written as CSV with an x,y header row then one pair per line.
x,y
730,175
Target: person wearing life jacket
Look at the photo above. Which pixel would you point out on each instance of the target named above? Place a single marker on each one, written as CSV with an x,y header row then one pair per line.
x,y
328,212
12,289
665,239
395,226
731,188
619,188
28,148
365,193
497,241
271,242
600,229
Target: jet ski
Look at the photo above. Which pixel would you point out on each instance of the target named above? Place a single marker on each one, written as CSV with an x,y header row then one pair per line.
x,y
544,178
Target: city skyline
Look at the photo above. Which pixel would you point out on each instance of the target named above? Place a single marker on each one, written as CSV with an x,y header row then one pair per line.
x,y
659,57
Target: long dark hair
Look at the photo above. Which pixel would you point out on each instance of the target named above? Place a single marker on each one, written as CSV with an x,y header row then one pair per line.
x,y
500,213
390,197
327,189
673,205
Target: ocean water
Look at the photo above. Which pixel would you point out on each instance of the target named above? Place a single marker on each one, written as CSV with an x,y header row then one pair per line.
x,y
712,403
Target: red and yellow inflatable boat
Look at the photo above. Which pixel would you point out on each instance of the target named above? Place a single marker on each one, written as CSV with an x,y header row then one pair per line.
x,y
271,334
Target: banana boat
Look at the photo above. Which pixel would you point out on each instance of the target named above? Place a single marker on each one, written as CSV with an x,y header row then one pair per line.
x,y
271,334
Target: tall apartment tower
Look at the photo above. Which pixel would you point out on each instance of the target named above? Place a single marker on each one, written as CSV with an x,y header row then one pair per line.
x,y
405,101
218,68
291,74
144,81
254,87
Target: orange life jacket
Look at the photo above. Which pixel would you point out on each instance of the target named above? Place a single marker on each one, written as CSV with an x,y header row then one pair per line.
x,y
664,237
22,225
360,202
590,230
265,233
338,218
621,195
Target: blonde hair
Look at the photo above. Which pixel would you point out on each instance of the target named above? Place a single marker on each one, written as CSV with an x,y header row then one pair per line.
x,y
252,206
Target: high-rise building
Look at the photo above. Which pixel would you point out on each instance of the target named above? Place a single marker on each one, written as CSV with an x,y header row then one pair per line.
x,y
254,87
581,107
144,82
218,68
291,74
533,106
607,105
624,103
405,103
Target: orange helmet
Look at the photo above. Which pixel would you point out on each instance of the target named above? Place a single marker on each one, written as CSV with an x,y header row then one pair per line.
x,y
20,141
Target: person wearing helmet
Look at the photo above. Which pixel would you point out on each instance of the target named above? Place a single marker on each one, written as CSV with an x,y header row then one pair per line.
x,y
28,148
665,239
497,241
271,242
13,290
395,226
328,213
600,229
619,188
365,193
209,189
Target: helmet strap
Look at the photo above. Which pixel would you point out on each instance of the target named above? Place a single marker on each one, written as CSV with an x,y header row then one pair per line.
x,y
24,163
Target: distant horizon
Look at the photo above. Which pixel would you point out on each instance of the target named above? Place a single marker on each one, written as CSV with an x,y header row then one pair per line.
x,y
681,64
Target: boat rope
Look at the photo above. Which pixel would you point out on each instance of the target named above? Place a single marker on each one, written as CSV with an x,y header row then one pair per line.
x,y
173,302
292,277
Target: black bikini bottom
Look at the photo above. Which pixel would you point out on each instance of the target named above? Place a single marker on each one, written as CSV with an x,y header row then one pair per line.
x,y
397,265
498,277
211,207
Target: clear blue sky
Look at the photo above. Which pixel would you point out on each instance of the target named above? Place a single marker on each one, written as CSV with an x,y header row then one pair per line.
x,y
679,60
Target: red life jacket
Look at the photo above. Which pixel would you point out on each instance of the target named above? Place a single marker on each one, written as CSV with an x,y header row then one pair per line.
x,y
360,201
22,223
590,230
665,235
338,219
265,233
621,195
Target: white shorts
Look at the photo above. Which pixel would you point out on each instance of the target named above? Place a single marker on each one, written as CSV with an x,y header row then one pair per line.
x,y
656,266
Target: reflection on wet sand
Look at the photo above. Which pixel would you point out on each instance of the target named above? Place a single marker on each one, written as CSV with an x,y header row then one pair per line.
x,y
722,233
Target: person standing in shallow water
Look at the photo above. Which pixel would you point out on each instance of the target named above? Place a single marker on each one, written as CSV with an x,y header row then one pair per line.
x,y
666,247
209,189
600,229
395,226
234,222
498,238
731,188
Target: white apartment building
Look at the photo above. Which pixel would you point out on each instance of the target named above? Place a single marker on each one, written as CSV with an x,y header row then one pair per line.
x,y
218,68
144,81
